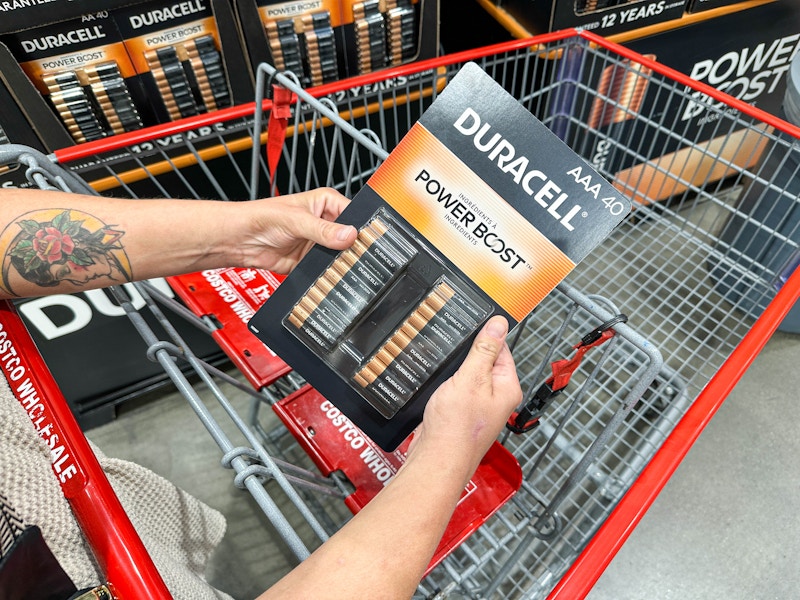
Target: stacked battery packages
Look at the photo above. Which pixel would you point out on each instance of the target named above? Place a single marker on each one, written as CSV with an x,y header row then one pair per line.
x,y
144,63
305,45
189,77
336,39
397,25
121,70
92,102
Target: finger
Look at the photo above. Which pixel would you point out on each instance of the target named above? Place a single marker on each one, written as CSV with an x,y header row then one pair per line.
x,y
505,381
330,203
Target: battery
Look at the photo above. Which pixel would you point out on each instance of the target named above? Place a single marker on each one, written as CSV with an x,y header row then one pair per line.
x,y
206,66
73,105
284,45
113,97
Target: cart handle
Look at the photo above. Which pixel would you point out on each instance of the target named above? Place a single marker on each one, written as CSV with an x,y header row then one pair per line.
x,y
119,551
246,110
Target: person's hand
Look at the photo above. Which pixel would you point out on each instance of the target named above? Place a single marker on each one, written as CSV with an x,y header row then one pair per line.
x,y
401,527
468,411
279,231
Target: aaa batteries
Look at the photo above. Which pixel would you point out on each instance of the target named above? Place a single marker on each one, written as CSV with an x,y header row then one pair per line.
x,y
427,336
354,279
408,332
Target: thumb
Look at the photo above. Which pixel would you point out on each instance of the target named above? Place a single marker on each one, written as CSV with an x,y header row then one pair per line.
x,y
487,346
330,234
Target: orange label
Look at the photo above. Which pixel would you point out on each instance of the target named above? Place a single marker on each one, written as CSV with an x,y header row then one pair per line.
x,y
467,221
75,61
292,10
168,37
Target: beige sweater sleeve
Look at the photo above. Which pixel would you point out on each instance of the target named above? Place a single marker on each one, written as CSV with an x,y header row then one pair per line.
x,y
179,531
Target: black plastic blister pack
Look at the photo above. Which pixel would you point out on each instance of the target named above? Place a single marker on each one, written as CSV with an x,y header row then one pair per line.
x,y
386,314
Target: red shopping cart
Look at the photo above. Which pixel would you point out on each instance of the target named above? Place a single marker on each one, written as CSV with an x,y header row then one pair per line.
x,y
688,268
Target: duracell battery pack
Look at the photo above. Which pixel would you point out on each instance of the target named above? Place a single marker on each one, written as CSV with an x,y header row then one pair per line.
x,y
479,210
177,55
81,67
304,38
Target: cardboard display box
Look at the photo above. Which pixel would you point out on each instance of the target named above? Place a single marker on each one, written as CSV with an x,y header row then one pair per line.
x,y
744,53
637,130
127,66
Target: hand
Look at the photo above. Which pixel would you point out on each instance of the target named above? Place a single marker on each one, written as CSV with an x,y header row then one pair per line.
x,y
280,230
469,410
400,528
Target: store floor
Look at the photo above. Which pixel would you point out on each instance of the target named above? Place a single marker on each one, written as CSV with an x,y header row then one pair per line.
x,y
725,526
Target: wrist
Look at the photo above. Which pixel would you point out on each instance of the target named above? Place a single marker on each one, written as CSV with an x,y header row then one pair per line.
x,y
442,460
223,225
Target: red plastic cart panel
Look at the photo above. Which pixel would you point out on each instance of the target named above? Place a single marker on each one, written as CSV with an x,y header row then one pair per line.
x,y
335,444
115,544
232,296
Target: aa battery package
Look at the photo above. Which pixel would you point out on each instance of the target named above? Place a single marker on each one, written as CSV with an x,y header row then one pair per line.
x,y
379,33
177,54
480,210
326,40
81,67
129,66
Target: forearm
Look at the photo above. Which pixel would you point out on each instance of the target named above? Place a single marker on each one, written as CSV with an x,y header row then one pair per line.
x,y
53,242
384,550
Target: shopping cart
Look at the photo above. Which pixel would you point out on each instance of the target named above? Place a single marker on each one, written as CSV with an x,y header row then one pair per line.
x,y
688,268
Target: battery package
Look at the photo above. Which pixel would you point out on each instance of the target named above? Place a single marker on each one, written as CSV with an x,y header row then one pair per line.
x,y
176,52
479,210
131,65
380,33
302,37
326,40
81,67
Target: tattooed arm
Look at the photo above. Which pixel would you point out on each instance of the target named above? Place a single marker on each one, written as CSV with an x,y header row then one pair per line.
x,y
52,243
62,243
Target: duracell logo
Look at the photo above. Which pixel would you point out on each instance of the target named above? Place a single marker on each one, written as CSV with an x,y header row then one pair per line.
x,y
163,15
49,42
534,182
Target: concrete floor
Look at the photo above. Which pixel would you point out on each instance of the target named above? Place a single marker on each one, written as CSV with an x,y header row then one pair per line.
x,y
724,527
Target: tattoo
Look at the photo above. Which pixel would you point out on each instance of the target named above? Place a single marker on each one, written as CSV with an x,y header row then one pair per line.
x,y
50,246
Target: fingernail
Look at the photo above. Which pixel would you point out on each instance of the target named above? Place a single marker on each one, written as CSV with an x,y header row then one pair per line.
x,y
496,328
343,233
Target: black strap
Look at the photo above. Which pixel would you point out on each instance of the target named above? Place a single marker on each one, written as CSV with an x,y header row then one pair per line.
x,y
11,526
28,568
